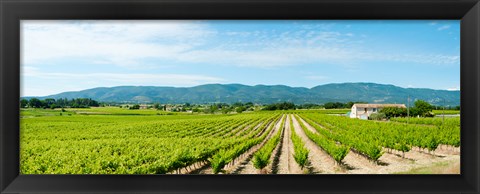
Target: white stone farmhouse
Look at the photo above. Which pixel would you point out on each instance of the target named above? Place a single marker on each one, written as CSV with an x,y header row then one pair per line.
x,y
363,111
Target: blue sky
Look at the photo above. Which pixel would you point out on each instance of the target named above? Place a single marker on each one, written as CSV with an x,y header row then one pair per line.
x,y
60,56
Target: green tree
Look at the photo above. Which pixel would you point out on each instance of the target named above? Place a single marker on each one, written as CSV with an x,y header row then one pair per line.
x,y
49,102
377,116
35,103
207,110
75,105
422,108
213,108
240,109
332,105
237,104
248,105
280,106
226,110
308,106
23,103
394,112
135,106
285,106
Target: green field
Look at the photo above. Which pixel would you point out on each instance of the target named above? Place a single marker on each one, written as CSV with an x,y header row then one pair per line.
x,y
121,141
446,112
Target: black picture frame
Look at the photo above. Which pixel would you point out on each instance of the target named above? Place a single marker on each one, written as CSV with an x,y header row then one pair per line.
x,y
12,11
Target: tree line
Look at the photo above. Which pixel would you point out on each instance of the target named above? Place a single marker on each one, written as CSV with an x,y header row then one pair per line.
x,y
292,106
420,108
225,108
58,103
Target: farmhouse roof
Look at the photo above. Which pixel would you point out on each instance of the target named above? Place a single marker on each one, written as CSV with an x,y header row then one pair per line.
x,y
379,105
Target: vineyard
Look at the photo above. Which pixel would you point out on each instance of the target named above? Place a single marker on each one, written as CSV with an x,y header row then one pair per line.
x,y
113,141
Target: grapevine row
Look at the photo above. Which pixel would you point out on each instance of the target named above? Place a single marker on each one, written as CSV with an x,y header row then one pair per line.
x,y
225,156
300,151
337,152
261,158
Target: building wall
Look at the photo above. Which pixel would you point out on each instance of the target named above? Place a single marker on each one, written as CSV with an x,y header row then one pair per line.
x,y
358,112
353,113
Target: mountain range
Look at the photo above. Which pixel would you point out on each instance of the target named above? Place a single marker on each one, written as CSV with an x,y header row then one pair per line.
x,y
265,94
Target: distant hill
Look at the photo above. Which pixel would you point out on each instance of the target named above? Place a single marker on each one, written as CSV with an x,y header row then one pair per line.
x,y
264,94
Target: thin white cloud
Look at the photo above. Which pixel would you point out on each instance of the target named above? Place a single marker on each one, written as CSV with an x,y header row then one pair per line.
x,y
292,56
444,27
123,78
435,59
457,88
266,58
121,43
130,43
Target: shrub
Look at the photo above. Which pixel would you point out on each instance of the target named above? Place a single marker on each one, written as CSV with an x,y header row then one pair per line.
x,y
377,116
394,112
136,106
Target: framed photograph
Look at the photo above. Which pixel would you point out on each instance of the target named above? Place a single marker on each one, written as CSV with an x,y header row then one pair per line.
x,y
239,96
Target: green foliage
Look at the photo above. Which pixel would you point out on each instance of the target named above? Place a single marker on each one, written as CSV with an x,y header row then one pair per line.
x,y
111,140
322,111
280,106
447,129
126,144
35,103
217,162
308,106
431,143
58,103
377,116
423,105
338,105
135,106
23,103
402,146
213,108
446,112
261,158
226,155
240,109
322,139
373,151
300,151
394,112
226,110
333,105
422,108
369,137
